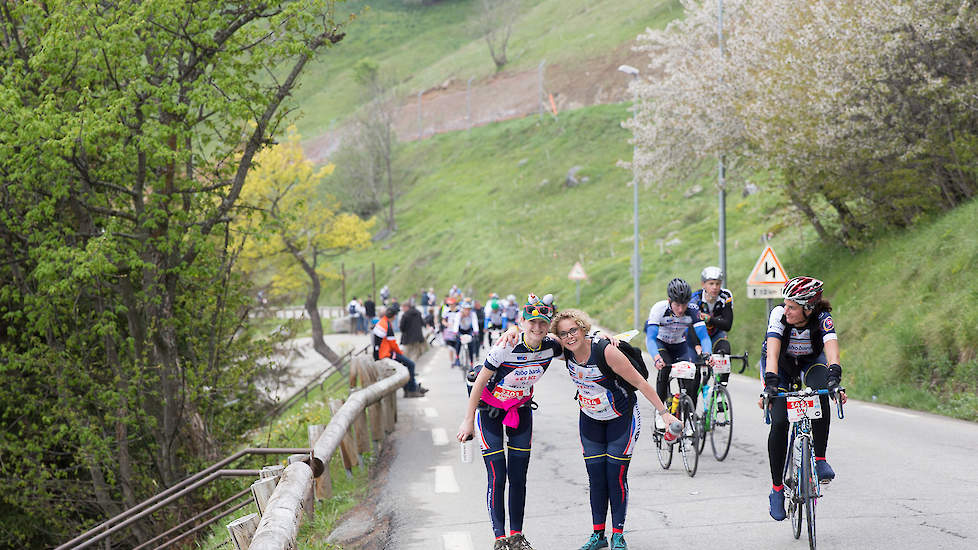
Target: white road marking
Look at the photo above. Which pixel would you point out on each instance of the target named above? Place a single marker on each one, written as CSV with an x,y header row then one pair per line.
x,y
445,480
457,540
439,436
431,412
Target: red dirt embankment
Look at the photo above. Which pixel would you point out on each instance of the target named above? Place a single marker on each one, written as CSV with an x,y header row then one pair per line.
x,y
505,95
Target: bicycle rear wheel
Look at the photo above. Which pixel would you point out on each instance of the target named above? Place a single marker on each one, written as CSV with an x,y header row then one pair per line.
x,y
690,438
807,491
721,423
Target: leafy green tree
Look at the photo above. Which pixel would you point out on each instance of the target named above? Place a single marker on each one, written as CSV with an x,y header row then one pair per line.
x,y
294,232
126,134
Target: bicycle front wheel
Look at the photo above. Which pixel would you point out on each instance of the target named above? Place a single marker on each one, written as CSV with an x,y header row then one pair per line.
x,y
662,449
690,438
721,423
807,491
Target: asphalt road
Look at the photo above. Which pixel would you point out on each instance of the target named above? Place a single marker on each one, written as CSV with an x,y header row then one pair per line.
x,y
904,479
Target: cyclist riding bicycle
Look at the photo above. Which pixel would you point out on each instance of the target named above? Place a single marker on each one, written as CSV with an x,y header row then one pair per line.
x,y
511,310
466,322
495,320
716,310
666,337
800,339
447,314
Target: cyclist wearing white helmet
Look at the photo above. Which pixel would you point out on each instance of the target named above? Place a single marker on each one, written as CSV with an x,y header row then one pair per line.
x,y
716,309
800,341
665,336
466,322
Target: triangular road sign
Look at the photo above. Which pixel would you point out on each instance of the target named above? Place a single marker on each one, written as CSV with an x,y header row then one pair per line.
x,y
577,272
767,270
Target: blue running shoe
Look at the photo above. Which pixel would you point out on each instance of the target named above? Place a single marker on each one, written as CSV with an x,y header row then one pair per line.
x,y
776,507
618,542
824,472
595,542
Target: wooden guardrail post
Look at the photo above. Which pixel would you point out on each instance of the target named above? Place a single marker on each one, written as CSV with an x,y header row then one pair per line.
x,y
242,530
324,483
347,447
389,401
261,491
375,412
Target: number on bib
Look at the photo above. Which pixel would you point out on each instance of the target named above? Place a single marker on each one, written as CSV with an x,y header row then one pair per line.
x,y
721,364
799,407
683,369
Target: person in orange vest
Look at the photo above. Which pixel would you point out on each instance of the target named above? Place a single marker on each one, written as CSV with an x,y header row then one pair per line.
x,y
385,346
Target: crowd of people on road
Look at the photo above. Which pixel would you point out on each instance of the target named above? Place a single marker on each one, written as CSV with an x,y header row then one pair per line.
x,y
685,326
506,347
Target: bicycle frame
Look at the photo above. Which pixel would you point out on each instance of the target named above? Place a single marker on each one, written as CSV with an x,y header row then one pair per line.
x,y
707,389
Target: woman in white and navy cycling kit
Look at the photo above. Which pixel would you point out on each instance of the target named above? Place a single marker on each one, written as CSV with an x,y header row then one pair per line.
x,y
609,421
800,340
665,336
500,405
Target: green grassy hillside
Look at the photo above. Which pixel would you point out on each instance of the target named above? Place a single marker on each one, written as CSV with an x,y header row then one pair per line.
x,y
491,212
421,47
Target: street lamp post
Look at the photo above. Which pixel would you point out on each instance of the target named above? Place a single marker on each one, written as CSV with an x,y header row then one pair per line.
x,y
636,260
721,169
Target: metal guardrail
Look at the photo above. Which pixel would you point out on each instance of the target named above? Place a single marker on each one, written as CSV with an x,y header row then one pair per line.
x,y
335,431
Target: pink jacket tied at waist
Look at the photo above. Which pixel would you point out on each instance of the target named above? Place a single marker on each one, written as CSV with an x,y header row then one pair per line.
x,y
512,418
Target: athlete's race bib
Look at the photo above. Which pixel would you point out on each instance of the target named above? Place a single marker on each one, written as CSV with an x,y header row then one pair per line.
x,y
799,407
683,369
597,403
505,394
721,364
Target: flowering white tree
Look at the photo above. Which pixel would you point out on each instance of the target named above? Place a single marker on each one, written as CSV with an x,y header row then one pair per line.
x,y
865,108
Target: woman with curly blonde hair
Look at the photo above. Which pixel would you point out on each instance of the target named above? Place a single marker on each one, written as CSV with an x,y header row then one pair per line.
x,y
609,421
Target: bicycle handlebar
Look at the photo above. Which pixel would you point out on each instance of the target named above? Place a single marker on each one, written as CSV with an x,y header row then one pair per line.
x,y
807,392
744,360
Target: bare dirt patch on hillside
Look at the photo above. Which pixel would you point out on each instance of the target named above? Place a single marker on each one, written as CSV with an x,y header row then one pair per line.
x,y
451,106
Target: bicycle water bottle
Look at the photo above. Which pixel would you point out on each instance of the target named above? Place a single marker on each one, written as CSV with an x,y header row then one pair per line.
x,y
466,450
671,436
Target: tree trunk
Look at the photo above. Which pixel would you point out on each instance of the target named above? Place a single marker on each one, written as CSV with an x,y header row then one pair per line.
x,y
312,306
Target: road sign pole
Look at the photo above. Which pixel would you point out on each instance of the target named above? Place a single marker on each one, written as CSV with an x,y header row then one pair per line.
x,y
578,285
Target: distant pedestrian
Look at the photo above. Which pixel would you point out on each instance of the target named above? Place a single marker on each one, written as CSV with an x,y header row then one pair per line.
x,y
480,314
353,309
385,293
370,308
412,335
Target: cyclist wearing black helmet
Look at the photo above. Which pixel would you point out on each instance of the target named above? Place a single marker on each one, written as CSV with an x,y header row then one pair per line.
x,y
800,339
665,336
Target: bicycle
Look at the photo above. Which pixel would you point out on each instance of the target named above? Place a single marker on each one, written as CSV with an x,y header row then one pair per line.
x,y
801,486
465,352
681,406
717,417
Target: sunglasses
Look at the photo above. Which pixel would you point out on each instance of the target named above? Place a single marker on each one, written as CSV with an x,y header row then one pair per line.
x,y
539,309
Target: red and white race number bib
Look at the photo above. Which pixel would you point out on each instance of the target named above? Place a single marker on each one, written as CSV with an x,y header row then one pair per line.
x,y
721,364
597,403
683,369
505,394
799,407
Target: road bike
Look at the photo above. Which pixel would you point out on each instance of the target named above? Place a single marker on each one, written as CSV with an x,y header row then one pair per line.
x,y
681,406
801,486
465,351
717,416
